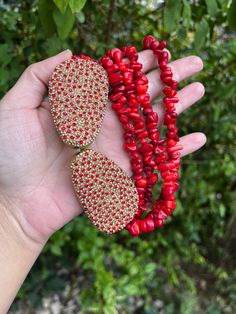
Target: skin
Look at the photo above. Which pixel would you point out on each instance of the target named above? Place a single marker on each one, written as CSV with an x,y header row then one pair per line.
x,y
36,194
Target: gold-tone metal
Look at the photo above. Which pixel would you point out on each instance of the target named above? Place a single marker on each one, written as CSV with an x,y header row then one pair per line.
x,y
78,96
108,196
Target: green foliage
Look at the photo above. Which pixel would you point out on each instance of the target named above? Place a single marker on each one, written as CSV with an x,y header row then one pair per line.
x,y
64,22
231,15
188,266
172,13
212,7
202,30
59,16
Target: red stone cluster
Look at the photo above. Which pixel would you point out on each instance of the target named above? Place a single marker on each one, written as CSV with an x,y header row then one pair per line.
x,y
149,154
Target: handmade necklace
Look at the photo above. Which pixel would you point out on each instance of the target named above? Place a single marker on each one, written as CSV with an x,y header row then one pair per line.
x,y
78,92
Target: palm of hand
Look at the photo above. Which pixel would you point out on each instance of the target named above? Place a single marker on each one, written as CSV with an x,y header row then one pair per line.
x,y
35,173
42,187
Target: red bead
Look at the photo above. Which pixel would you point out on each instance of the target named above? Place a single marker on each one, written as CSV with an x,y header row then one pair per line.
x,y
132,104
155,46
115,96
117,56
136,66
117,106
123,111
148,40
169,92
134,228
106,62
115,78
142,134
158,222
161,215
123,67
170,205
112,69
146,148
130,146
141,183
127,78
141,88
143,226
150,226
168,100
131,52
123,118
134,116
153,178
163,65
154,136
143,98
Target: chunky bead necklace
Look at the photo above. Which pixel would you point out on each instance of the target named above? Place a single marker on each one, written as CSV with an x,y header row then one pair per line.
x,y
110,199
147,151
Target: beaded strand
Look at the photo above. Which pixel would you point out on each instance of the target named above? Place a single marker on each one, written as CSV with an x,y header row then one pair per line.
x,y
148,153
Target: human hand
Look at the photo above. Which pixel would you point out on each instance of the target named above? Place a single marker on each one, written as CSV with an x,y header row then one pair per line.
x,y
35,180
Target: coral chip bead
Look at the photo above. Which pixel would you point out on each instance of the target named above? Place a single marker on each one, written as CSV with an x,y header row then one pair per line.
x,y
141,88
134,228
158,222
148,152
149,224
141,183
148,40
143,226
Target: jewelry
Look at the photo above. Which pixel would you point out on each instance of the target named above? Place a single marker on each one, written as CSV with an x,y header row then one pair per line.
x,y
78,95
147,152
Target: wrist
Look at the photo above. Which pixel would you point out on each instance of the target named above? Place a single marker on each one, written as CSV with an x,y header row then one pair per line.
x,y
17,255
12,229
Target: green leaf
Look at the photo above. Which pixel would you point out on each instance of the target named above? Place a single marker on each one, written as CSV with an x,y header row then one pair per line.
x,y
62,5
80,17
222,210
232,15
212,7
202,30
64,22
187,13
76,5
172,13
46,8
4,76
182,33
5,56
56,249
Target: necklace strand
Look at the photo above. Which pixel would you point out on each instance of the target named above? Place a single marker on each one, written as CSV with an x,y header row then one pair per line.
x,y
148,152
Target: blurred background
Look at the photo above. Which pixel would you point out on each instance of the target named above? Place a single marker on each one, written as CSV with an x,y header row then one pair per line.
x,y
189,265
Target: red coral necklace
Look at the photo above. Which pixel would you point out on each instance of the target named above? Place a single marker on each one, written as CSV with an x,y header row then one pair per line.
x,y
110,199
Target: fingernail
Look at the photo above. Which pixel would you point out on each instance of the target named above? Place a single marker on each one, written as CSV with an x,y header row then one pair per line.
x,y
66,52
197,63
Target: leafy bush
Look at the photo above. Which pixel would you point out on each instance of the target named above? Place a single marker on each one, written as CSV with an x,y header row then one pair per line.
x,y
188,266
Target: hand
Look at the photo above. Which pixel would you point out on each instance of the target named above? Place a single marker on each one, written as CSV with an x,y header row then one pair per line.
x,y
35,179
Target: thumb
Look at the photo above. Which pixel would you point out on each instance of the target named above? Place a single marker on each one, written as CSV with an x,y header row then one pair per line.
x,y
30,88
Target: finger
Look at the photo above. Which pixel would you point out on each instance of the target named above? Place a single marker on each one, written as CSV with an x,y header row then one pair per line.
x,y
29,90
182,69
188,96
148,59
192,142
45,103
